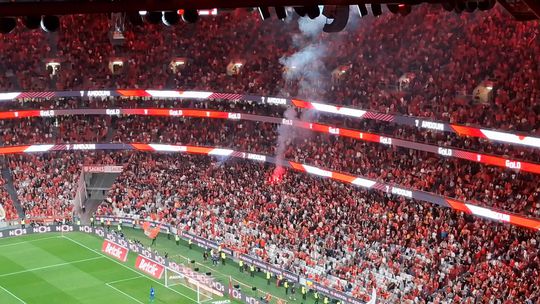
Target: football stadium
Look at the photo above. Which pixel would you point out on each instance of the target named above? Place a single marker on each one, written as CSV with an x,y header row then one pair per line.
x,y
270,151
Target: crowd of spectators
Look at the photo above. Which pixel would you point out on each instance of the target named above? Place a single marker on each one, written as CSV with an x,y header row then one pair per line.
x,y
488,186
448,54
446,139
406,250
502,188
246,135
73,129
37,131
331,232
46,184
152,191
26,131
348,238
7,203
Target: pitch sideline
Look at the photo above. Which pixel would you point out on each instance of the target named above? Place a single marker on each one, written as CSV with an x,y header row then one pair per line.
x,y
49,266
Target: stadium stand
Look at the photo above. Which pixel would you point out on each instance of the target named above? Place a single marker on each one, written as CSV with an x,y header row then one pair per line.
x,y
351,239
441,75
45,186
7,202
486,185
308,225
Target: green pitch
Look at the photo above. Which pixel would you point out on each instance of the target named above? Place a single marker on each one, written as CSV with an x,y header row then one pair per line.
x,y
51,268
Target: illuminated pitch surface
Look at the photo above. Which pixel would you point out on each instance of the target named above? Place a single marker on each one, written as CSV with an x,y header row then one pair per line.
x,y
51,268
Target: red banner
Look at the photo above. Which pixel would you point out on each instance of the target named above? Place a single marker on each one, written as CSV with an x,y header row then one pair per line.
x,y
114,250
150,267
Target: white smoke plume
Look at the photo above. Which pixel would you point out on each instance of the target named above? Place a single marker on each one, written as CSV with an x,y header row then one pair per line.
x,y
312,28
305,69
285,133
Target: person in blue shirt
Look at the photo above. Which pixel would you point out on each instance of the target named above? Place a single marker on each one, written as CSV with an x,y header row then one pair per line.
x,y
152,294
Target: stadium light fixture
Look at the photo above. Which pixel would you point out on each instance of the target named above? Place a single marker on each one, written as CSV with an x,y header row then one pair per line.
x,y
177,64
170,18
281,12
340,16
190,16
264,12
362,10
50,24
52,67
212,12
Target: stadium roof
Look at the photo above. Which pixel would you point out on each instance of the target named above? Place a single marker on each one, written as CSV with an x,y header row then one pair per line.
x,y
520,9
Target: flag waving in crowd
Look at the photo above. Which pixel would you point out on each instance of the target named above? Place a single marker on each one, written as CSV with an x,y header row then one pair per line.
x,y
151,232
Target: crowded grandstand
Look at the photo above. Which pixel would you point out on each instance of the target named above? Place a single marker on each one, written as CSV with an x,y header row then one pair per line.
x,y
399,156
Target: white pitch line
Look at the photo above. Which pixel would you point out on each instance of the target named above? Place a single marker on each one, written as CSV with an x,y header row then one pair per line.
x,y
20,300
217,271
127,295
30,241
49,266
207,300
117,262
129,279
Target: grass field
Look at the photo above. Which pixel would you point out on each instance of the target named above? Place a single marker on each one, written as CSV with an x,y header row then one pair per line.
x,y
51,268
70,268
181,253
